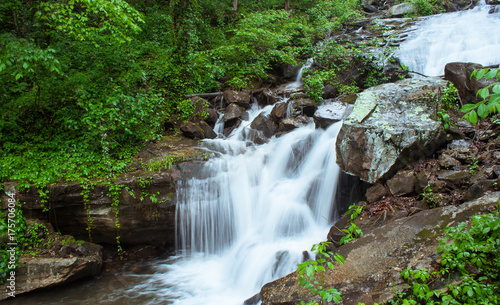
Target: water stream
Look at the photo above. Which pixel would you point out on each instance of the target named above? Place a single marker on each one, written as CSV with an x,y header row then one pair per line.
x,y
467,36
246,217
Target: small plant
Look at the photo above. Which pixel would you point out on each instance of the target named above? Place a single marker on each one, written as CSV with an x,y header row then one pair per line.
x,y
352,233
490,104
310,270
429,197
355,210
444,117
472,166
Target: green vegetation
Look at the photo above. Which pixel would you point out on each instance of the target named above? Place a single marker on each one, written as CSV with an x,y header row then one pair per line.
x,y
87,83
490,104
310,270
470,264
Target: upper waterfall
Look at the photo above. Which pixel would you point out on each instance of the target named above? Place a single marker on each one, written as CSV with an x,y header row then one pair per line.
x,y
466,36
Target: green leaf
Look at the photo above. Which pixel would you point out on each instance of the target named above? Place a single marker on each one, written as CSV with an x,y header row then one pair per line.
x,y
468,107
492,73
482,111
480,73
484,93
472,118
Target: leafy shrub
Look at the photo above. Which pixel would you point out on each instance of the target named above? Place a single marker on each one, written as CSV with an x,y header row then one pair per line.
x,y
311,269
491,99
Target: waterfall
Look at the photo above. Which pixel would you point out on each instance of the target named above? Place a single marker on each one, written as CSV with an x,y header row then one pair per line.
x,y
466,36
246,217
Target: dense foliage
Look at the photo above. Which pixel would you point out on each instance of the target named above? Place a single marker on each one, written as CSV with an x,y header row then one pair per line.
x,y
85,83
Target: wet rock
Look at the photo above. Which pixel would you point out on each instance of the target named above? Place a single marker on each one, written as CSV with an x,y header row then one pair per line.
x,y
232,112
455,177
466,127
303,105
367,7
447,161
390,126
37,273
279,112
479,188
403,183
421,182
289,124
268,97
400,10
253,300
330,113
484,173
493,2
376,192
459,73
265,125
212,117
199,130
239,98
460,153
378,257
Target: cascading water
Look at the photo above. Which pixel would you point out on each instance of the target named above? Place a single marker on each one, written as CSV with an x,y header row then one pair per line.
x,y
466,36
248,216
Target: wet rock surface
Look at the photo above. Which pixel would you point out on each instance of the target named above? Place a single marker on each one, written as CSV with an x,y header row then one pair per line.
x,y
373,263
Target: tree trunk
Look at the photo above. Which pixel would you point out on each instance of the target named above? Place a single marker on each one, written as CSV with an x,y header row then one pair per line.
x,y
235,5
287,5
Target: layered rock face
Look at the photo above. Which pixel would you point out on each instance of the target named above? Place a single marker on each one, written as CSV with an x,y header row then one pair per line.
x,y
141,220
391,125
373,263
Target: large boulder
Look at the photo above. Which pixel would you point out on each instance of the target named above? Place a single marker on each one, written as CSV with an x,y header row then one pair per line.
x,y
377,258
391,125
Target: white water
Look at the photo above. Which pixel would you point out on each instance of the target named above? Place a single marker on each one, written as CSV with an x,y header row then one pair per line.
x,y
467,36
251,215
298,83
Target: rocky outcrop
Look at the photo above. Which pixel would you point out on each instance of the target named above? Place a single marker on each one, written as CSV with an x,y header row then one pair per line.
x,y
373,263
58,259
391,125
146,210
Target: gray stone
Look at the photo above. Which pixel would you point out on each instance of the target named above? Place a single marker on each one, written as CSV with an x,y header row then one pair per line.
x,y
279,112
242,99
232,112
330,113
400,10
403,183
448,161
391,125
376,192
265,125
289,124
